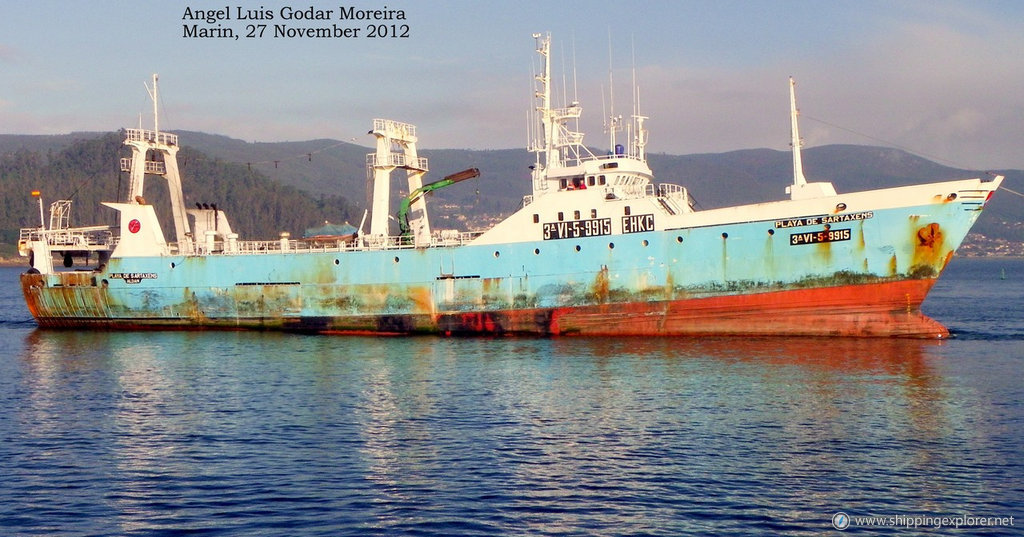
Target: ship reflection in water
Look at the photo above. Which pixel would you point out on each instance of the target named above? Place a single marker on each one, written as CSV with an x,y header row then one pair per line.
x,y
249,432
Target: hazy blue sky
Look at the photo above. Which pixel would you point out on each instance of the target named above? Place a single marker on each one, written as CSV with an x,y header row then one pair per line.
x,y
941,78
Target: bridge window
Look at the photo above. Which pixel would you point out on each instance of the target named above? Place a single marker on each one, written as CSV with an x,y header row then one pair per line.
x,y
536,218
575,215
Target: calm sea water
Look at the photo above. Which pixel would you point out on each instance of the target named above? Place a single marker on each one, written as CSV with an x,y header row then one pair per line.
x,y
105,433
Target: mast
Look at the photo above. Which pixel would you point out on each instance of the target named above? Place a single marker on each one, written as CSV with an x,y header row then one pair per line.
x,y
614,122
165,147
544,78
798,166
801,189
155,94
638,149
396,148
560,145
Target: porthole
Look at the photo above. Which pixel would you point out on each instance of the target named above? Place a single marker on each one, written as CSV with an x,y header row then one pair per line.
x,y
725,235
578,248
644,242
611,245
172,265
771,231
497,254
536,251
679,240
337,261
396,259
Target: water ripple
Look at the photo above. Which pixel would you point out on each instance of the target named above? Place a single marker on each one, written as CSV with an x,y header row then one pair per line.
x,y
106,433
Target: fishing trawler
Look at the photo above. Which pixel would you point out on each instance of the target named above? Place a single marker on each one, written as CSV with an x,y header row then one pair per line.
x,y
597,248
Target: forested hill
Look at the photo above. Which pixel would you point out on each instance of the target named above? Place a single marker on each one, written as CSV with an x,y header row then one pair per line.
x,y
87,171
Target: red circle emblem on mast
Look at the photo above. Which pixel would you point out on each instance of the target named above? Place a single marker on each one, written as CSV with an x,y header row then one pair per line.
x,y
134,226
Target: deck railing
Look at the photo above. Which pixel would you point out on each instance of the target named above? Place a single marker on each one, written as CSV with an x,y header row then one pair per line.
x,y
102,238
143,135
398,160
220,247
79,238
154,167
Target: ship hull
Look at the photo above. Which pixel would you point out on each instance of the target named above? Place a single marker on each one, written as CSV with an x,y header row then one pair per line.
x,y
749,278
884,309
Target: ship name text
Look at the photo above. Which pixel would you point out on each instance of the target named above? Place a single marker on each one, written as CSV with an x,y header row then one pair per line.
x,y
133,277
823,219
637,223
827,235
577,229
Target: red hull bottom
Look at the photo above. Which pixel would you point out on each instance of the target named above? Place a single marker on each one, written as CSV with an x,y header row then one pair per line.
x,y
884,309
890,309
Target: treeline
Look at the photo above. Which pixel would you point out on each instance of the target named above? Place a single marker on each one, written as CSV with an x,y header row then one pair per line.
x,y
88,172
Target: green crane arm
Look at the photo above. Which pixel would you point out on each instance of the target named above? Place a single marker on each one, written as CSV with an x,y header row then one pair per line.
x,y
403,209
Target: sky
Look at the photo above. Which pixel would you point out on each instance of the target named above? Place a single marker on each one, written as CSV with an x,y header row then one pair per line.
x,y
940,78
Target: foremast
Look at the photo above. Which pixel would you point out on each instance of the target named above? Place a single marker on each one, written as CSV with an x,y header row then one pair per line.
x,y
801,189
